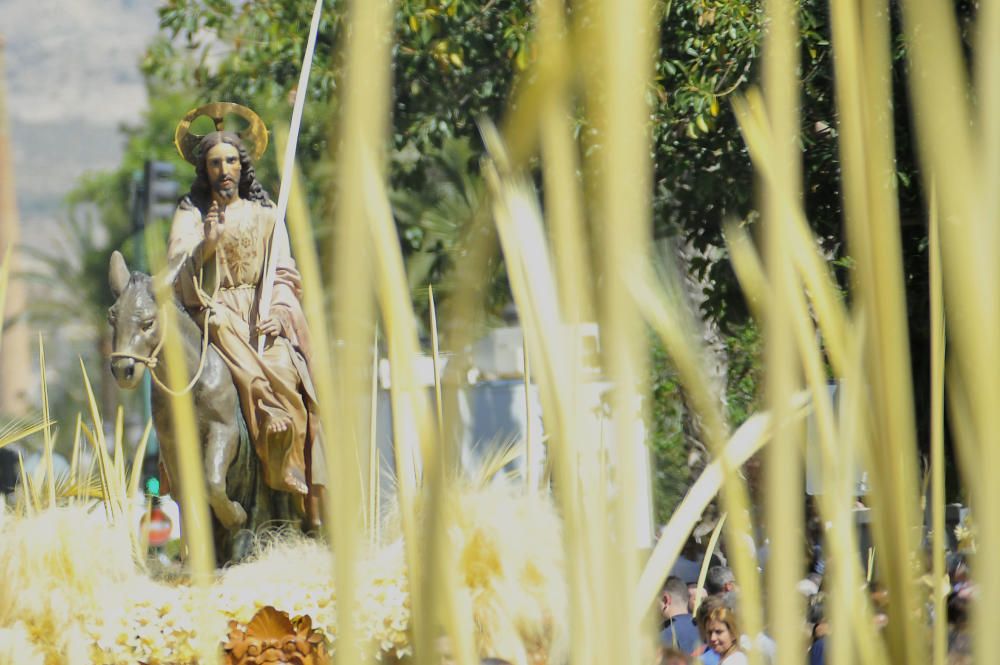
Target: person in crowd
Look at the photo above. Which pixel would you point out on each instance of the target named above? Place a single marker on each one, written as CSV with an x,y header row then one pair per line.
x,y
879,596
705,655
959,640
815,528
958,571
668,656
721,631
820,629
688,563
679,630
8,473
696,595
720,580
810,585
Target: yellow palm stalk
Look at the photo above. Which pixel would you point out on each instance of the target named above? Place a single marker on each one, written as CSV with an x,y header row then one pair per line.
x,y
784,468
367,246
529,478
836,499
533,284
434,586
542,117
19,429
337,451
804,248
96,438
4,279
435,361
560,165
74,462
374,467
140,542
851,603
810,265
118,463
135,475
29,502
672,323
861,50
938,538
616,88
50,472
748,268
836,448
194,502
713,541
958,148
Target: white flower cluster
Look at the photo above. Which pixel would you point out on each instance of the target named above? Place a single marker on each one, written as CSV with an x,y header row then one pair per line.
x,y
384,606
151,623
317,601
72,602
157,624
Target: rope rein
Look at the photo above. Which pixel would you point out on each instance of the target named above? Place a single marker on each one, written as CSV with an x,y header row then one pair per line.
x,y
152,360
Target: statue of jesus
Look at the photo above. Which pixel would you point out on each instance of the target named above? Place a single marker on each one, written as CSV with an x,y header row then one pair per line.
x,y
225,227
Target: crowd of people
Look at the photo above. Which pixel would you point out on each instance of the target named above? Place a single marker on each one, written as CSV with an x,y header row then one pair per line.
x,y
702,625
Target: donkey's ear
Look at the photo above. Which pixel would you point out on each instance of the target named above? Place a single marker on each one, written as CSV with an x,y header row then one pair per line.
x,y
118,273
168,276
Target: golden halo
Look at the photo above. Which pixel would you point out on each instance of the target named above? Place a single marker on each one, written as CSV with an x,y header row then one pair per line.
x,y
254,137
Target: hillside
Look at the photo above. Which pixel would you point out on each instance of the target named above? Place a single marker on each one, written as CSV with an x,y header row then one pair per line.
x,y
72,80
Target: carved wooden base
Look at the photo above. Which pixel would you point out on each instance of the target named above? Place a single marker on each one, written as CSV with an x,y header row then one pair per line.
x,y
271,637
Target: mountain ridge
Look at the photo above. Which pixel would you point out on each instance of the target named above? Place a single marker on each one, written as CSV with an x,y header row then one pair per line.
x,y
72,80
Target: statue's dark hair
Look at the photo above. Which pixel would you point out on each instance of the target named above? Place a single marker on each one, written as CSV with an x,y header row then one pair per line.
x,y
200,196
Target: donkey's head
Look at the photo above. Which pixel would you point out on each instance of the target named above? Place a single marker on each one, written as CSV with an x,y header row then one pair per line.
x,y
135,321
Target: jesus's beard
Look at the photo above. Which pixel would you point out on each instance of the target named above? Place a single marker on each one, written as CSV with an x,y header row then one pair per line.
x,y
226,188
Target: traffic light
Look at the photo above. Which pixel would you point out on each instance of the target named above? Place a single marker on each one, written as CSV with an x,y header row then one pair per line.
x,y
160,191
151,474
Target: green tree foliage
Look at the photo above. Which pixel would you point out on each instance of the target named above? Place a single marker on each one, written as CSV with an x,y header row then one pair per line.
x,y
454,61
458,60
436,223
675,459
667,445
709,51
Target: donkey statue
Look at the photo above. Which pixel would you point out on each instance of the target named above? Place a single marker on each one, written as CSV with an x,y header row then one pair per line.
x,y
241,502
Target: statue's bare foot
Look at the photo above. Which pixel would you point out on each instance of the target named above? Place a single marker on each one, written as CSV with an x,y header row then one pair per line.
x,y
275,420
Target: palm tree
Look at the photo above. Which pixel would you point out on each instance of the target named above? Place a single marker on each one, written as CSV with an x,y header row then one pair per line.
x,y
437,223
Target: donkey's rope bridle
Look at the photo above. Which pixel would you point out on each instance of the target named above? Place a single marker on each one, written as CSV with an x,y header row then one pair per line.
x,y
152,360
